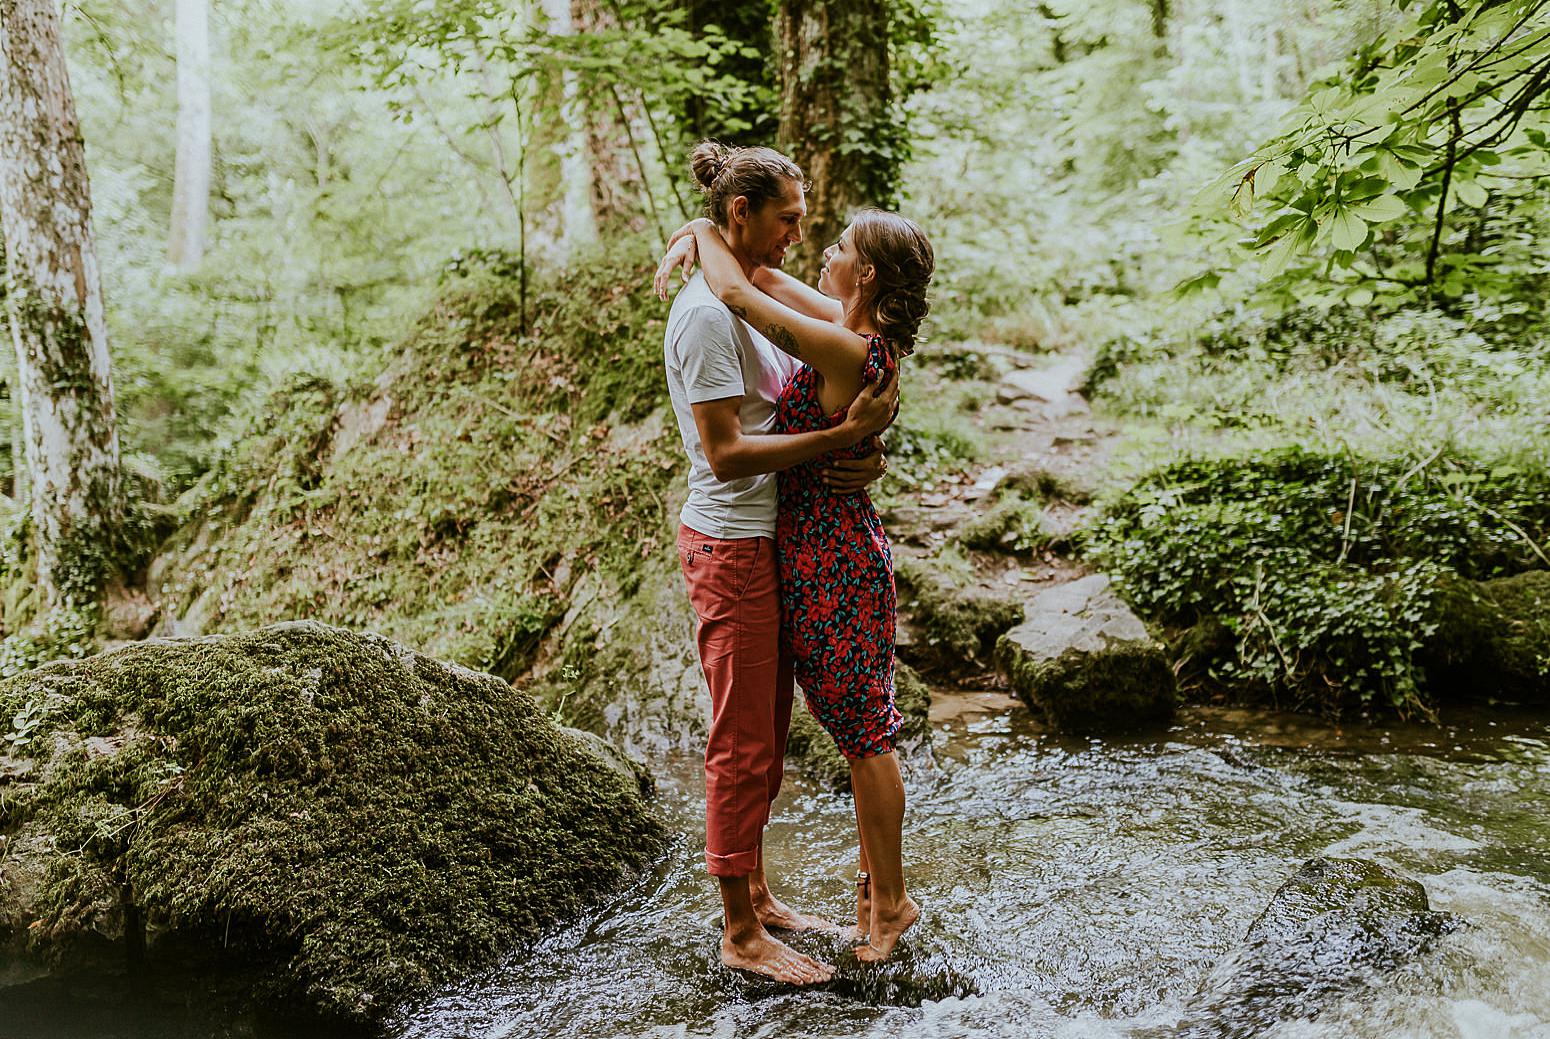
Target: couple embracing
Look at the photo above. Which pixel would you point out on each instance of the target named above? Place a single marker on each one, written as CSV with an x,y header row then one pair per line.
x,y
779,390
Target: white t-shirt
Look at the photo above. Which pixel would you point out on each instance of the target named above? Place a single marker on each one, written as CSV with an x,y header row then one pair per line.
x,y
711,355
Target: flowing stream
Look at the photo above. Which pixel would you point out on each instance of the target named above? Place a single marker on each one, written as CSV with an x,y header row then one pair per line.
x,y
1069,889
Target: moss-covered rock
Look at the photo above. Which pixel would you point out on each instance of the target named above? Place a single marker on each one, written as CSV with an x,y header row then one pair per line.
x,y
1492,639
1088,663
356,820
1333,925
811,750
959,624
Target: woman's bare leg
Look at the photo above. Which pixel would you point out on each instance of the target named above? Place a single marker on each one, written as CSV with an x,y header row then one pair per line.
x,y
879,791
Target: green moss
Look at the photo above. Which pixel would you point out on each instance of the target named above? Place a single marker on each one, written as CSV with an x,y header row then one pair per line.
x,y
361,821
1086,691
454,501
1493,638
1013,525
960,625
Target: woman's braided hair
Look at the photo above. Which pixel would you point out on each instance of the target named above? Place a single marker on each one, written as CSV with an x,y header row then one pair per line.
x,y
723,173
900,254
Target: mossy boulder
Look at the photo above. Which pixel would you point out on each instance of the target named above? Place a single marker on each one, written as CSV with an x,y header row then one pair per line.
x,y
1335,924
1492,639
810,750
1084,660
959,624
354,821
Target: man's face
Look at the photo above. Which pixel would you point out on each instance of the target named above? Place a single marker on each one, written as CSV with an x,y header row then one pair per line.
x,y
775,227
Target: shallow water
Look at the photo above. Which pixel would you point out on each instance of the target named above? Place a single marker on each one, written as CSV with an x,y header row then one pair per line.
x,y
1070,889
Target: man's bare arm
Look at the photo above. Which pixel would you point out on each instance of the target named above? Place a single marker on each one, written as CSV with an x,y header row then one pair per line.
x,y
735,456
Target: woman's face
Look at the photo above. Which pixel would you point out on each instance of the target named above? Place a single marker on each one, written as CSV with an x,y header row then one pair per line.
x,y
843,270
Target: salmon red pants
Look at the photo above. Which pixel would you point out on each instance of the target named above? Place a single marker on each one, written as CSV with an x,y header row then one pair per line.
x,y
734,587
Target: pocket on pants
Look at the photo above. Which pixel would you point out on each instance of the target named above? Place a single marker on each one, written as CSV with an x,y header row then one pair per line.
x,y
694,548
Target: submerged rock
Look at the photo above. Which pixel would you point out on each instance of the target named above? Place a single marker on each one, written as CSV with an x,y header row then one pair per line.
x,y
1335,924
354,820
811,750
921,970
1086,661
1492,639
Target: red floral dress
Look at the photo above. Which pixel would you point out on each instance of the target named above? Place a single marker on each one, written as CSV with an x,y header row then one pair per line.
x,y
838,602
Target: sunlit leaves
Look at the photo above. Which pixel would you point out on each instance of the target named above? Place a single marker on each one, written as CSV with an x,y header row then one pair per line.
x,y
1453,97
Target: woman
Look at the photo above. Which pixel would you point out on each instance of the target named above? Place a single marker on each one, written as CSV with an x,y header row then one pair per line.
x,y
836,568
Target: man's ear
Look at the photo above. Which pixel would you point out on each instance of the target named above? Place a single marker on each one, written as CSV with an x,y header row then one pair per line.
x,y
737,210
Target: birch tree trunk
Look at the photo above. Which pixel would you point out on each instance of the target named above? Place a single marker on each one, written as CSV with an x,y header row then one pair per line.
x,y
54,300
191,178
836,117
578,225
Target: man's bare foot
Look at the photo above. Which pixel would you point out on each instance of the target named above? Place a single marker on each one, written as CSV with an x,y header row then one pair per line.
x,y
772,912
886,929
763,955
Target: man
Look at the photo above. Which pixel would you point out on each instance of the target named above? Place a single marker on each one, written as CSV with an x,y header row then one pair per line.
x,y
724,378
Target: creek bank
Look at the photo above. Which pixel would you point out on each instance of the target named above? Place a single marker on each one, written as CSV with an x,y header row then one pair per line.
x,y
1335,924
354,821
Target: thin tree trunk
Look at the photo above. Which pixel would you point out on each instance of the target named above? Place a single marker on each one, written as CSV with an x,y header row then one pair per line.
x,y
578,224
834,96
191,178
54,300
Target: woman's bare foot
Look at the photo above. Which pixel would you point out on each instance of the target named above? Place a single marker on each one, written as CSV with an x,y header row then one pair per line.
x,y
887,927
763,955
772,912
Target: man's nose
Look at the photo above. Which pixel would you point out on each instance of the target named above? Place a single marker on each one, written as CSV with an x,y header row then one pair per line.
x,y
796,234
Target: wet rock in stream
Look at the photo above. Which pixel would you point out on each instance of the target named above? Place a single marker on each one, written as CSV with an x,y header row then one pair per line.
x,y
1086,661
919,971
1334,925
348,820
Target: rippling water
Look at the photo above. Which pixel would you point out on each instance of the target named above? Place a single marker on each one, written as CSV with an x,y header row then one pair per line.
x,y
1086,889
1078,889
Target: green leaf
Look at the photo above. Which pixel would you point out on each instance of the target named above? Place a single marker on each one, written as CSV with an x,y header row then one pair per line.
x,y
1345,229
1470,192
1381,209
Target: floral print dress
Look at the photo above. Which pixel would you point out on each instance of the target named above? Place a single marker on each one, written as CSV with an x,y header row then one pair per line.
x,y
838,601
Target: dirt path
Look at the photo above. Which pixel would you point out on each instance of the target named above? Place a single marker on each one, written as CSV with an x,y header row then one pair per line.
x,y
1036,429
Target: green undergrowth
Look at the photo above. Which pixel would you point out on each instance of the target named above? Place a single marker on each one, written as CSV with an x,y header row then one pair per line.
x,y
1474,380
453,501
1321,567
358,821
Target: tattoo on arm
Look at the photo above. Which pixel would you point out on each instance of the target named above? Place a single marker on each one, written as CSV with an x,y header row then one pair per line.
x,y
780,335
784,338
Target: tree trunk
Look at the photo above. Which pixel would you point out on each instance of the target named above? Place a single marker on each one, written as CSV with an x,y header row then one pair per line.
x,y
578,225
836,114
191,178
54,300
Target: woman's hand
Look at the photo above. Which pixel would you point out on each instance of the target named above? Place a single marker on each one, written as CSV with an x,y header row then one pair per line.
x,y
681,253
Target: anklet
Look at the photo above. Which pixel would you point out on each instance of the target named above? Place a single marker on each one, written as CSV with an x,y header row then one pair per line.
x,y
864,882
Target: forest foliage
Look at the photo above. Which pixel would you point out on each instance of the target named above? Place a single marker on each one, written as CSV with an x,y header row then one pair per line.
x,y
1306,233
